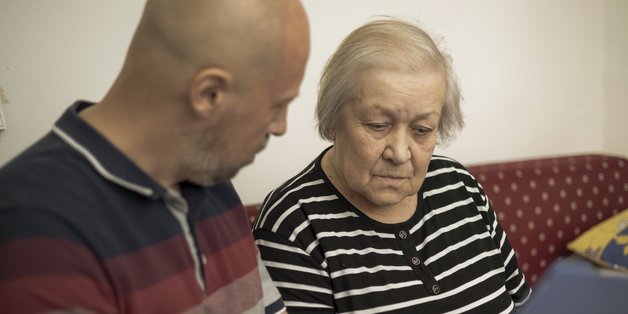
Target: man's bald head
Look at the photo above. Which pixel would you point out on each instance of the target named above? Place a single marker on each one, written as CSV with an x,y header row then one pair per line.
x,y
243,37
204,85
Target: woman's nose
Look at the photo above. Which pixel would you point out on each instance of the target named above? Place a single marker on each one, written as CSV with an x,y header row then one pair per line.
x,y
397,147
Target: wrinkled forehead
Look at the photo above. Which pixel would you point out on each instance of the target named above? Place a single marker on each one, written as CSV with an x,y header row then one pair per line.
x,y
411,82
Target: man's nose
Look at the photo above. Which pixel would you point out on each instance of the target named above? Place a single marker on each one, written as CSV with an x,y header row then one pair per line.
x,y
279,125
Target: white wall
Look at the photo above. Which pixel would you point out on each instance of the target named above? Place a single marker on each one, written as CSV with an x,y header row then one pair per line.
x,y
539,77
54,52
616,76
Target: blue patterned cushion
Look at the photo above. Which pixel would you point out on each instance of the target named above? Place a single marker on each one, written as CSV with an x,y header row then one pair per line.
x,y
605,243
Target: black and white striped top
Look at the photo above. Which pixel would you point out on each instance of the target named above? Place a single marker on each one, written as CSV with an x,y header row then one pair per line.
x,y
452,256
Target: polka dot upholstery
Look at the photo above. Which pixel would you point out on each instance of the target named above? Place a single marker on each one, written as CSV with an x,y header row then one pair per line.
x,y
545,203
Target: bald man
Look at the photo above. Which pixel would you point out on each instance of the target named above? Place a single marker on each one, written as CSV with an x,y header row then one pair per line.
x,y
126,206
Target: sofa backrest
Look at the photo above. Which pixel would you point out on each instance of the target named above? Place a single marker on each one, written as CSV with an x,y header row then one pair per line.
x,y
545,203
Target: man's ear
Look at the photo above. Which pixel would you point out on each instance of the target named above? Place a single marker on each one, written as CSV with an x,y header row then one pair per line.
x,y
208,90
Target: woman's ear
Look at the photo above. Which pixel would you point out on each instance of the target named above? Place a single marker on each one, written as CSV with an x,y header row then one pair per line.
x,y
208,90
332,134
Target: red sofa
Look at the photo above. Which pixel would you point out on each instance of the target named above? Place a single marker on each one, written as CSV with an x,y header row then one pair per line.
x,y
545,203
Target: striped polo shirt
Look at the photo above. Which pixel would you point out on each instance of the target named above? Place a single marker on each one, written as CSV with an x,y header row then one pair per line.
x,y
452,256
82,227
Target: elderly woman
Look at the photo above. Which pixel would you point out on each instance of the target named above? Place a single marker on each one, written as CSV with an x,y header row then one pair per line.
x,y
377,223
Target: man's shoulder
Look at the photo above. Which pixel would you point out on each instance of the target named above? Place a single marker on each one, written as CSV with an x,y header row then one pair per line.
x,y
45,166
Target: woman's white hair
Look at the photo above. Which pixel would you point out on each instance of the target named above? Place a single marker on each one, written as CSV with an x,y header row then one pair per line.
x,y
391,44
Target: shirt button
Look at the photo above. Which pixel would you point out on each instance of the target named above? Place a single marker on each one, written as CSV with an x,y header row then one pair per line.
x,y
403,235
416,261
435,289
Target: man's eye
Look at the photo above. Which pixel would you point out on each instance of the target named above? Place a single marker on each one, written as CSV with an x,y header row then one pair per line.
x,y
280,106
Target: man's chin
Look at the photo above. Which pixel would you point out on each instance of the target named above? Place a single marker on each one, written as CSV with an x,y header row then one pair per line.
x,y
225,175
247,162
215,179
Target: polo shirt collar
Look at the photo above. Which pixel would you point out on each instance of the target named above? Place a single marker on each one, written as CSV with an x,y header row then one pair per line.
x,y
106,159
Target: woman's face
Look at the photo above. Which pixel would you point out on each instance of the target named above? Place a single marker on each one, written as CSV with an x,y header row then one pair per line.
x,y
385,138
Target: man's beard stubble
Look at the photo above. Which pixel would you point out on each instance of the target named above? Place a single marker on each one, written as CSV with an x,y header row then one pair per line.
x,y
205,165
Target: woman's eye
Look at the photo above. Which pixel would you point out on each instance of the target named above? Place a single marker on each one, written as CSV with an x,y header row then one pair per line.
x,y
422,131
378,127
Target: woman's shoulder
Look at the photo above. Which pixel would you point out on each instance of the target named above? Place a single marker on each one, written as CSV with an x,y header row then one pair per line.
x,y
440,165
284,203
444,171
297,186
440,161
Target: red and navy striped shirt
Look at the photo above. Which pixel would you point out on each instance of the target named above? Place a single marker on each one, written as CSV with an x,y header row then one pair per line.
x,y
82,227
